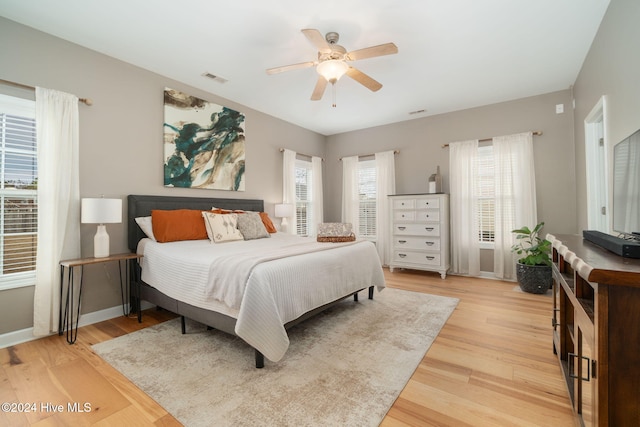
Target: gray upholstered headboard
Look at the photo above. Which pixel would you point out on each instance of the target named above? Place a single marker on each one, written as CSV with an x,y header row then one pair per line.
x,y
140,205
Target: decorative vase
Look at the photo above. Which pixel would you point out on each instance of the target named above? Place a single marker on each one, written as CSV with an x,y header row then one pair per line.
x,y
435,182
535,279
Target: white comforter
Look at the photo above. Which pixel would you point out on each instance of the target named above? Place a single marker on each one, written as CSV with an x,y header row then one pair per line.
x,y
260,282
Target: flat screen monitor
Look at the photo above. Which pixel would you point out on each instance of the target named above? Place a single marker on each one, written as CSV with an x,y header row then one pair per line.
x,y
626,186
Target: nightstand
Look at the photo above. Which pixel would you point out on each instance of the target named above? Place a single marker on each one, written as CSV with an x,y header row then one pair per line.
x,y
66,315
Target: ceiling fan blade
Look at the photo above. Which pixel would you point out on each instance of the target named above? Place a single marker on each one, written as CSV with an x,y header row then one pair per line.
x,y
373,51
363,79
290,67
318,91
317,39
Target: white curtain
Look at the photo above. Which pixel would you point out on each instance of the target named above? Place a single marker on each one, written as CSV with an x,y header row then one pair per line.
x,y
385,186
350,193
515,197
289,187
465,248
58,201
317,206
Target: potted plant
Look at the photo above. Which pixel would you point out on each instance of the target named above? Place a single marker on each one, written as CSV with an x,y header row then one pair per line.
x,y
533,269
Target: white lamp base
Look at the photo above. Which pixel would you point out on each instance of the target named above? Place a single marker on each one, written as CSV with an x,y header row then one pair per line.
x,y
101,242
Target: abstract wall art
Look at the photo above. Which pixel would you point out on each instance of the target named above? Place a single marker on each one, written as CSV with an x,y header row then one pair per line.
x,y
203,144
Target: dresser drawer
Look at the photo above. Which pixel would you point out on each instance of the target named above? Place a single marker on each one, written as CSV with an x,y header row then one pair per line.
x,y
404,215
416,257
428,203
404,204
416,229
427,216
420,243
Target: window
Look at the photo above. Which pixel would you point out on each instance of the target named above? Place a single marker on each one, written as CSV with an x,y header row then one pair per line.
x,y
367,193
18,192
485,192
303,197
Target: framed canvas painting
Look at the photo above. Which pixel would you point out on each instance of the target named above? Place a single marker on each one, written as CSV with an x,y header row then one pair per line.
x,y
204,144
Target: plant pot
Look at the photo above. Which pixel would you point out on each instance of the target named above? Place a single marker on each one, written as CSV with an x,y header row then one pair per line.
x,y
535,279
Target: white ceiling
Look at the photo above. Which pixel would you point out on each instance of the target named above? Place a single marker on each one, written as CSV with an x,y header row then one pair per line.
x,y
453,54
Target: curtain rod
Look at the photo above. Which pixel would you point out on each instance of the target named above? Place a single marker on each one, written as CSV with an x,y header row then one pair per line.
x,y
369,155
86,101
302,154
534,133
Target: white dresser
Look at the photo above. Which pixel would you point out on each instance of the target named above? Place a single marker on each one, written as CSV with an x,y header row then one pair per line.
x,y
420,232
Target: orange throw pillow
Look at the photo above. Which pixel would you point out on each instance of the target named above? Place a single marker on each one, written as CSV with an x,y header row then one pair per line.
x,y
179,224
267,222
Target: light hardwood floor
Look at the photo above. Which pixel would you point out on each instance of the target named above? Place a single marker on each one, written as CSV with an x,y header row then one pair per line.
x,y
491,365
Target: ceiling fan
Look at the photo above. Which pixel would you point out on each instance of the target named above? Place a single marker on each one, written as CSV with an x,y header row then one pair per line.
x,y
333,61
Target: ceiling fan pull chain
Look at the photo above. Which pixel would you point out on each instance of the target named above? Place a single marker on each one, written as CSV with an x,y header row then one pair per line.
x,y
333,89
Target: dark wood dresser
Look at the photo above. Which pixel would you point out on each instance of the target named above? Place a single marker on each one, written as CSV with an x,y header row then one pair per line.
x,y
596,321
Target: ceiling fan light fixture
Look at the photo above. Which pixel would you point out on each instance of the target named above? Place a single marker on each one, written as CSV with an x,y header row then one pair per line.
x,y
332,69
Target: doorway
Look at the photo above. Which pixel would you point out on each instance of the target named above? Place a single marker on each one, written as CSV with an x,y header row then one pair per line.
x,y
596,151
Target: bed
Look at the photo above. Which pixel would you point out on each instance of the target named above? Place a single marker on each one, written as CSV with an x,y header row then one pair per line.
x,y
253,289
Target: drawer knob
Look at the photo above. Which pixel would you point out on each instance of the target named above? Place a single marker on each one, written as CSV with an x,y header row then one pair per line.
x,y
429,228
402,228
430,257
402,241
429,243
402,255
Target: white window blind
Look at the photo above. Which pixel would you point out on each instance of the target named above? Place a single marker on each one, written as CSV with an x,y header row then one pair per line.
x,y
367,192
485,193
486,187
303,197
18,192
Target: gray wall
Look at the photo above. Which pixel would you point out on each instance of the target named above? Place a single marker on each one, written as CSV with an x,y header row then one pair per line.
x,y
420,143
612,69
121,144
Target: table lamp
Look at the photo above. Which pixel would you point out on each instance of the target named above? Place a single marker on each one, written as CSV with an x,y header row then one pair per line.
x,y
101,211
284,211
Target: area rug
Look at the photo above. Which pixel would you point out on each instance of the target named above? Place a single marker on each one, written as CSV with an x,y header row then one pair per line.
x,y
344,367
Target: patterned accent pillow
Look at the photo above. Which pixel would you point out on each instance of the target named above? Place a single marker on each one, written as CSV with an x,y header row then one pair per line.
x,y
268,224
222,227
251,226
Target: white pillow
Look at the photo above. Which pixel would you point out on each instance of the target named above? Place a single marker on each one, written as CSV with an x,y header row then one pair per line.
x,y
146,226
222,227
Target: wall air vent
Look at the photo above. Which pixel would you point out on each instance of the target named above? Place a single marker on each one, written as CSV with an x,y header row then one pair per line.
x,y
214,77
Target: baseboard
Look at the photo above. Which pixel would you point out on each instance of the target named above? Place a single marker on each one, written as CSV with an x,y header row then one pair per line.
x,y
24,335
483,275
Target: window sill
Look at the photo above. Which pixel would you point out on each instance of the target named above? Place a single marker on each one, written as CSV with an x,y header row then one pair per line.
x,y
17,282
8,287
